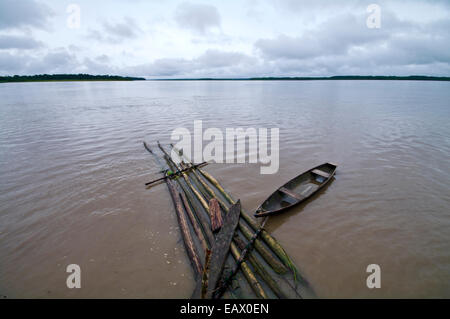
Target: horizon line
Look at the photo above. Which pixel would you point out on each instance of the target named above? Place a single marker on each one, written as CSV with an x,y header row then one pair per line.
x,y
307,78
109,77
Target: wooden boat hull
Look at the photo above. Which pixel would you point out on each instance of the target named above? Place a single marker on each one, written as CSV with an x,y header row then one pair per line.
x,y
297,190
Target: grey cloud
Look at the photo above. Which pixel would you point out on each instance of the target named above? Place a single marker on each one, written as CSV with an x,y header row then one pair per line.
x,y
19,42
126,29
309,8
103,58
306,5
344,45
210,63
99,65
11,64
55,61
334,37
23,13
217,59
117,32
199,18
340,44
59,60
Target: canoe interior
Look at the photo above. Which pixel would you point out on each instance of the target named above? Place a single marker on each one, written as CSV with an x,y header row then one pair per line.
x,y
302,186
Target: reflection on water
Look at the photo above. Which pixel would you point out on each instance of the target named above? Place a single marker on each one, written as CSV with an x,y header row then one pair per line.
x,y
73,167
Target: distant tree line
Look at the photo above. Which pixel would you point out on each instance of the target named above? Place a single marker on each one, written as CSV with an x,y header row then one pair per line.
x,y
362,77
339,77
88,77
66,77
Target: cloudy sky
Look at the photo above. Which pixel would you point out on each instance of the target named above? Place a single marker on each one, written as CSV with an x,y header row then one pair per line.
x,y
170,39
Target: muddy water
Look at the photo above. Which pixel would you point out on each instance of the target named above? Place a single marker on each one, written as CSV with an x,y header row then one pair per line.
x,y
72,170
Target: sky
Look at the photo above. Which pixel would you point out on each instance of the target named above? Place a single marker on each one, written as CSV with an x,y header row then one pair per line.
x,y
225,39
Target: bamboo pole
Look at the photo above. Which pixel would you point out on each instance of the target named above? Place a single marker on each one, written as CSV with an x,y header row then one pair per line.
x,y
194,222
205,274
187,238
270,241
256,263
204,222
265,253
248,273
261,271
201,219
205,227
209,235
184,228
248,234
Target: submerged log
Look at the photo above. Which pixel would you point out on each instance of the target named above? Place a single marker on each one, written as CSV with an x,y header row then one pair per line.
x,y
268,239
185,232
205,276
207,231
261,271
194,222
202,218
221,248
270,258
248,273
215,214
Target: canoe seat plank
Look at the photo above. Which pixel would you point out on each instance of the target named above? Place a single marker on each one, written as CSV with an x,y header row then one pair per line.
x,y
321,173
291,193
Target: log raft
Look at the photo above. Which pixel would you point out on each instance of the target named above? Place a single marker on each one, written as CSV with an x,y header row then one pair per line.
x,y
258,265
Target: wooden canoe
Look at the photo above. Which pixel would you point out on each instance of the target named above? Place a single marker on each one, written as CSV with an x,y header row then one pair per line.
x,y
297,190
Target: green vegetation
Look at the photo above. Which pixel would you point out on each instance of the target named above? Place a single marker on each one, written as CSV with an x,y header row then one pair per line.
x,y
363,77
341,77
66,77
88,77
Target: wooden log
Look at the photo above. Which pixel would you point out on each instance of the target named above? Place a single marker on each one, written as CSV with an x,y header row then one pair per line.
x,y
265,253
173,174
271,242
221,247
202,218
270,258
215,214
206,229
248,273
240,280
205,276
185,232
268,239
261,271
194,222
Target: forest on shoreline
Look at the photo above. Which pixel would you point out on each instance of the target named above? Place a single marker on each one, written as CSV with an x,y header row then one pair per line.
x,y
66,77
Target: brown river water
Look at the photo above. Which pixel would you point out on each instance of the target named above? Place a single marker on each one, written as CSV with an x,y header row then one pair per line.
x,y
73,169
